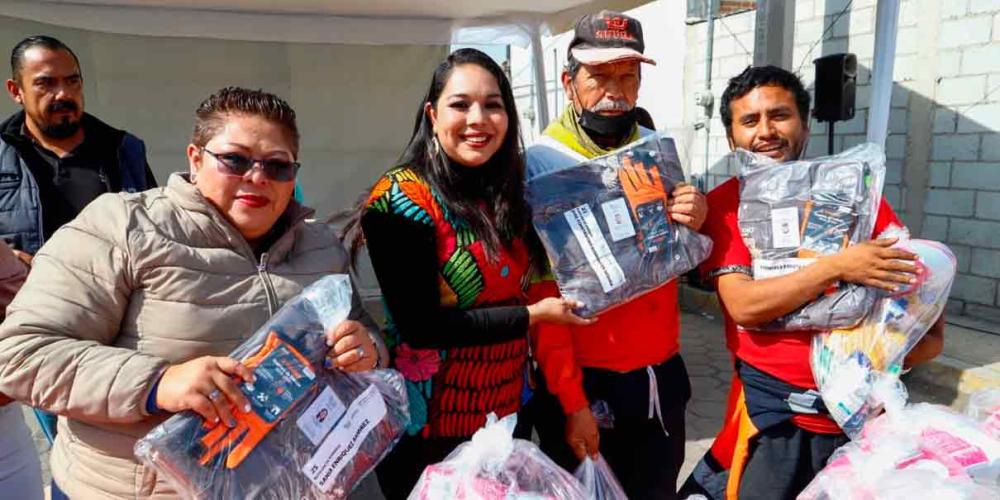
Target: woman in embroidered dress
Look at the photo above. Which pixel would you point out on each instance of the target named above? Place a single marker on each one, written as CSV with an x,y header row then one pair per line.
x,y
450,239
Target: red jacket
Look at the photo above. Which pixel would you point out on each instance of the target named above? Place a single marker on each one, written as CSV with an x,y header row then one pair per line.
x,y
631,336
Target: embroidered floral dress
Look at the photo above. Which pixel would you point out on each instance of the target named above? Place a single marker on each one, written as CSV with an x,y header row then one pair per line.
x,y
457,325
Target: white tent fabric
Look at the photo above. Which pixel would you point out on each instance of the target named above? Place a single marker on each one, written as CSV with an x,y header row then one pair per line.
x,y
385,22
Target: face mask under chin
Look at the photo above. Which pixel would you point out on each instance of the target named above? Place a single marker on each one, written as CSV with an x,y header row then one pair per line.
x,y
616,126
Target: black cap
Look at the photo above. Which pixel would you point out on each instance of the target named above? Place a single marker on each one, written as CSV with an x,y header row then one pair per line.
x,y
607,37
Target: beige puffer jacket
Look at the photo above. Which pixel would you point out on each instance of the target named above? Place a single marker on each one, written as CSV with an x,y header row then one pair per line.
x,y
135,283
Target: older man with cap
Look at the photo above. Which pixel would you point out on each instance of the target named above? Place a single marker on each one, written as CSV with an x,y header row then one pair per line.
x,y
618,386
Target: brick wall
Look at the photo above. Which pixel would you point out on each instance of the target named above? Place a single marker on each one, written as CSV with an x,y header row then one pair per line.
x,y
960,200
966,152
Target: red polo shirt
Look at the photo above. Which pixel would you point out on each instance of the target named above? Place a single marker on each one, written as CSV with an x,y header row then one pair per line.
x,y
784,355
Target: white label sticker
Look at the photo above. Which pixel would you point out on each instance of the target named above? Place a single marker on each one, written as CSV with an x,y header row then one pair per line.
x,y
772,268
321,416
584,225
785,227
619,221
340,446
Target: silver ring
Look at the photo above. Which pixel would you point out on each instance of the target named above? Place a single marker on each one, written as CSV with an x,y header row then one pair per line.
x,y
214,395
361,352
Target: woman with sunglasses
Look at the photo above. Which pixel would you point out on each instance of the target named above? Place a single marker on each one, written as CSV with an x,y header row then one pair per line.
x,y
451,243
131,308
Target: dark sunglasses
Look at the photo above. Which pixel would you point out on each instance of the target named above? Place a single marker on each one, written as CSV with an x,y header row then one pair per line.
x,y
238,165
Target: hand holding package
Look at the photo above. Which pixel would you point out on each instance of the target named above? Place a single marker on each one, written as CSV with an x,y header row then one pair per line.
x,y
310,433
847,363
791,213
606,228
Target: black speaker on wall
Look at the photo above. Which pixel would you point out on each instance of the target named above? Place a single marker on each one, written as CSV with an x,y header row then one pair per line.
x,y
836,84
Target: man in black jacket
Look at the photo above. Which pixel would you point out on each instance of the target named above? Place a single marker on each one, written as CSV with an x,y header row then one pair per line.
x,y
54,158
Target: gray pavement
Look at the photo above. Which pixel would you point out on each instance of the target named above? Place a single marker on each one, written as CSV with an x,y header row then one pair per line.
x,y
709,366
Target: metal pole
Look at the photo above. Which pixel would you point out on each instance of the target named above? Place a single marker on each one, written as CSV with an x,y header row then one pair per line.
x,y
509,73
538,61
555,79
829,138
886,24
713,7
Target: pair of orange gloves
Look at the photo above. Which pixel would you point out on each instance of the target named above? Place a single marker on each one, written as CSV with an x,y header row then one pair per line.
x,y
251,427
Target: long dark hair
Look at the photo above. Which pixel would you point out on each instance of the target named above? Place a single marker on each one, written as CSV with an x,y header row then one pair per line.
x,y
498,214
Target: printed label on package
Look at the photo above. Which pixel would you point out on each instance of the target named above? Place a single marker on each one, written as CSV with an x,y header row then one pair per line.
x,y
785,227
619,220
281,380
827,228
343,442
321,416
584,225
772,268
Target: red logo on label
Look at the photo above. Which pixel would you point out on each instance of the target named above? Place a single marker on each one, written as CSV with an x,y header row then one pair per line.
x,y
616,23
617,29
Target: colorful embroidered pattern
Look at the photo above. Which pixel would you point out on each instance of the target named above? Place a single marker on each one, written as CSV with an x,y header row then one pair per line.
x,y
451,391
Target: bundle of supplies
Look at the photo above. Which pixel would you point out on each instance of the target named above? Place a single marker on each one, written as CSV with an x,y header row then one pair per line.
x,y
791,213
605,225
917,451
495,466
311,432
847,363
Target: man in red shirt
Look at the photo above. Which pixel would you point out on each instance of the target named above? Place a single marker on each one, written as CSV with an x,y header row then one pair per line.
x,y
618,385
777,435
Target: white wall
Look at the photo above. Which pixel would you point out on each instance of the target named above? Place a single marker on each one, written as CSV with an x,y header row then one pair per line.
x,y
355,104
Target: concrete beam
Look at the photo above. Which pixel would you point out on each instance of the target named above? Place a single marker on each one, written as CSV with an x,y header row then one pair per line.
x,y
773,36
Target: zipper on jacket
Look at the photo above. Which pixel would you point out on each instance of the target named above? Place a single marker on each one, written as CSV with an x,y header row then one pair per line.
x,y
272,297
103,176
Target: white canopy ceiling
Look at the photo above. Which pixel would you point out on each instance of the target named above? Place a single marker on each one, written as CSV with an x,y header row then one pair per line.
x,y
317,21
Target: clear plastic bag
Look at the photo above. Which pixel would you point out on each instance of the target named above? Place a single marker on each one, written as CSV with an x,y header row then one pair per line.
x,y
311,433
847,363
495,466
599,482
984,407
605,226
791,213
909,452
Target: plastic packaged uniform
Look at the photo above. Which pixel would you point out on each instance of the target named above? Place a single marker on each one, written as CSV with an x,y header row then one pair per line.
x,y
847,363
911,452
792,212
599,482
495,466
311,432
605,226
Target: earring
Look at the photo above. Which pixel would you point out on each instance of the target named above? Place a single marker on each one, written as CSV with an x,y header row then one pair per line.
x,y
435,146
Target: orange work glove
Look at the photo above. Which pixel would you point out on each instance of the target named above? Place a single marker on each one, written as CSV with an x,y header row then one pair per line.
x,y
647,199
283,378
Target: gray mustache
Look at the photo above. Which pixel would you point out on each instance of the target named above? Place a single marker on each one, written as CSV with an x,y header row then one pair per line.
x,y
611,105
